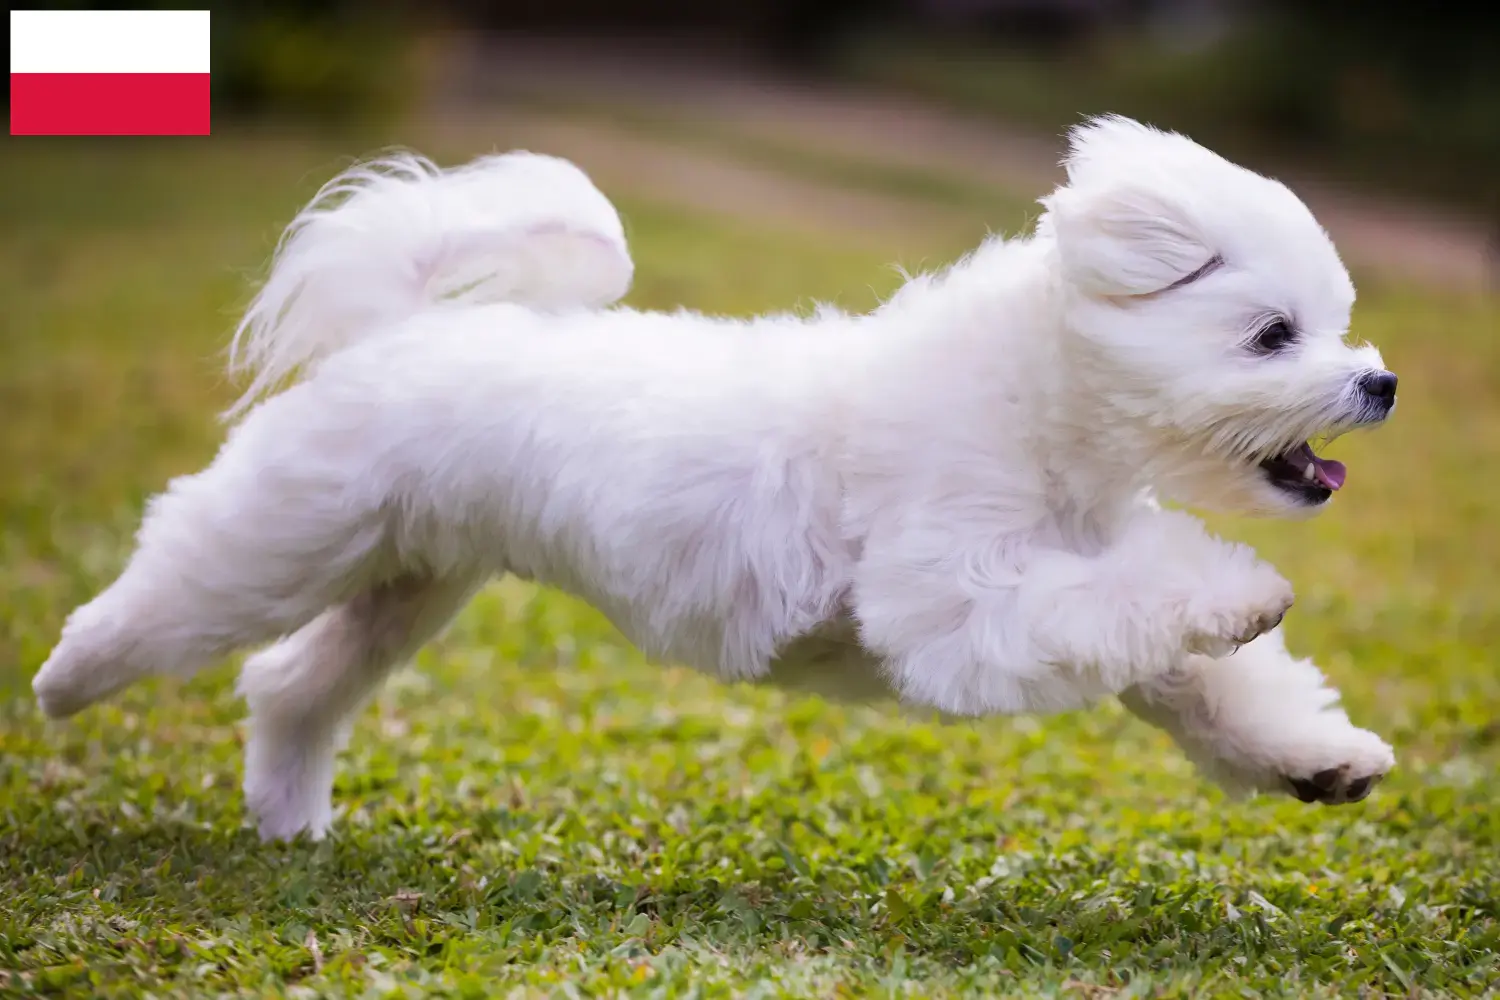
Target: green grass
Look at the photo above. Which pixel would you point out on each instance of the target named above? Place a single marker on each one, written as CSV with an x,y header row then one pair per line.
x,y
535,809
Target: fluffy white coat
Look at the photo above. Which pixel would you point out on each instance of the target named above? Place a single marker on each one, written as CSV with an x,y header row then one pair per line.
x,y
952,499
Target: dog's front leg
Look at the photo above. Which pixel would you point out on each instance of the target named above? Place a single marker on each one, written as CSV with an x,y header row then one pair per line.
x,y
1264,721
1163,587
1014,624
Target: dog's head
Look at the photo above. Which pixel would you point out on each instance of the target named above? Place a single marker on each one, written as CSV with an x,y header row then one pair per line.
x,y
1210,312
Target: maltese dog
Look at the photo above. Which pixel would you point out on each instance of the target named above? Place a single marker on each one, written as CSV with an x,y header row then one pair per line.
x,y
953,499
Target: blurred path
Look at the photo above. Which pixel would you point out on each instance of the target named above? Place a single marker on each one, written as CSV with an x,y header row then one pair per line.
x,y
622,159
1401,240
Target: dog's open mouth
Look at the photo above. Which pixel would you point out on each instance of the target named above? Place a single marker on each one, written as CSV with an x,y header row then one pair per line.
x,y
1303,474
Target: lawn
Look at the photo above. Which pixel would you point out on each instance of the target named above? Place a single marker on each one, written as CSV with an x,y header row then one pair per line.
x,y
535,809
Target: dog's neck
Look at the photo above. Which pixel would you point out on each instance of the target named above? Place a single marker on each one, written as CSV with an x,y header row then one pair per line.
x,y
996,323
1108,450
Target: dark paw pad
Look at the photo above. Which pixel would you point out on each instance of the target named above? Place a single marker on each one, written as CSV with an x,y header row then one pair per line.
x,y
1332,786
1358,789
1306,790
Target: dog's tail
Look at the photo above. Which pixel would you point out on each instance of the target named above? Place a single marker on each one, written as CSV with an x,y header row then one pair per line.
x,y
388,238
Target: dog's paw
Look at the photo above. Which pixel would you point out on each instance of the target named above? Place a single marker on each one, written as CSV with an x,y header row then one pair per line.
x,y
1259,602
288,787
1225,641
283,814
1349,772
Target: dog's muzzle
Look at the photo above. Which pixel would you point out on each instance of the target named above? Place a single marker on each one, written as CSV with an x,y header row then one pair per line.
x,y
1377,391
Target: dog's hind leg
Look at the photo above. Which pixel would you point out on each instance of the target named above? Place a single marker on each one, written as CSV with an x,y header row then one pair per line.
x,y
303,691
251,548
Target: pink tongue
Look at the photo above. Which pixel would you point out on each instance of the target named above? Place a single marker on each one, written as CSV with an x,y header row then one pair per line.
x,y
1330,474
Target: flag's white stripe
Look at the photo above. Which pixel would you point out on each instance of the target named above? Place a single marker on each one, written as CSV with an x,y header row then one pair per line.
x,y
109,41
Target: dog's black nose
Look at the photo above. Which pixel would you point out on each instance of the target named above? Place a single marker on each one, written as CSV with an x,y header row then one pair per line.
x,y
1380,387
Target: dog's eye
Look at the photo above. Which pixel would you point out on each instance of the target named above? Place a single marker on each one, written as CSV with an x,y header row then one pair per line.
x,y
1273,337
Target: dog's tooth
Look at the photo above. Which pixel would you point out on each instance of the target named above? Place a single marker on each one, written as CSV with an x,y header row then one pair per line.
x,y
1309,472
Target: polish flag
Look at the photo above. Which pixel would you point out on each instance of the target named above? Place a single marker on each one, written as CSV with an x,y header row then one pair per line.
x,y
109,72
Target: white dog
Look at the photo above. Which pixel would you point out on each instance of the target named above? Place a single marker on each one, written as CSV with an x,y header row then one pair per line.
x,y
952,498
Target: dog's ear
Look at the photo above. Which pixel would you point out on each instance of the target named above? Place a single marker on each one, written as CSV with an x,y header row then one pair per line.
x,y
1120,226
1124,240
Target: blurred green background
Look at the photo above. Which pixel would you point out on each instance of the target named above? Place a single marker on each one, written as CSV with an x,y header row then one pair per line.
x,y
536,810
1374,93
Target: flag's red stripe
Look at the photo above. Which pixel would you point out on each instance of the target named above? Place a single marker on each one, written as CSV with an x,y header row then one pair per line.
x,y
109,104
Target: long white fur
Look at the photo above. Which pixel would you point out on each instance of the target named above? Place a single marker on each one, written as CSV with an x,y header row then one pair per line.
x,y
952,499
385,240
